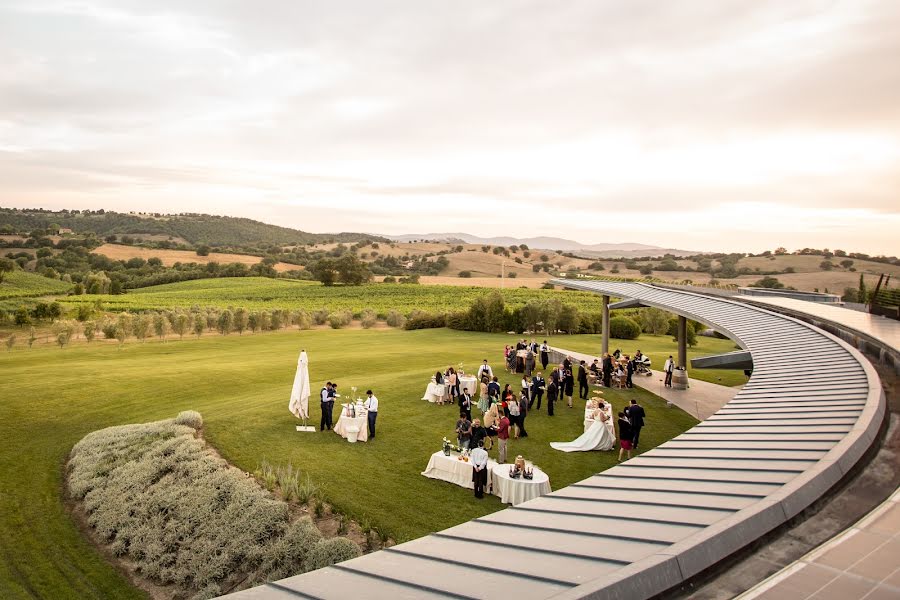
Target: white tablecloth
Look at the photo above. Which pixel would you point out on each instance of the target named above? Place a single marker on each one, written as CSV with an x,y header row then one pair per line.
x,y
468,382
450,468
517,491
435,392
361,420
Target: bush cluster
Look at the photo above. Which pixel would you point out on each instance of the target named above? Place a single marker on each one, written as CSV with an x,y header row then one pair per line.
x,y
155,494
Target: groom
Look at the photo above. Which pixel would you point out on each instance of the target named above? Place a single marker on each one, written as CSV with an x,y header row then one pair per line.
x,y
636,415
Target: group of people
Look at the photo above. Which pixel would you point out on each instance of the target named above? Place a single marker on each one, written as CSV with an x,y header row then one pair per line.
x,y
327,396
523,357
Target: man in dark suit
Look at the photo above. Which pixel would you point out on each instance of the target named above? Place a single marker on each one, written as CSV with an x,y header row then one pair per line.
x,y
537,390
582,381
636,415
607,370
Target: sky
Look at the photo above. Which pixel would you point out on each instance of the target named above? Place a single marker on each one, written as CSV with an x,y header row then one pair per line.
x,y
704,125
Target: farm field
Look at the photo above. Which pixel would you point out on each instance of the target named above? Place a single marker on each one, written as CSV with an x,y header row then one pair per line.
x,y
241,386
658,348
261,292
22,284
170,257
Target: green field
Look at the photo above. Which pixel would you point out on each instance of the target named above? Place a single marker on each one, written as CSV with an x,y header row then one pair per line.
x,y
263,293
659,348
22,284
241,384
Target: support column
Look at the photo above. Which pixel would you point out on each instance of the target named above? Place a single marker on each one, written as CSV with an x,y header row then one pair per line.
x,y
604,349
682,342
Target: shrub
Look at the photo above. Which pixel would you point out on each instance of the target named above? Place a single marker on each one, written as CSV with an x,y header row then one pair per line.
x,y
624,328
422,320
368,318
395,319
159,497
458,320
389,279
190,418
329,552
303,319
320,317
465,274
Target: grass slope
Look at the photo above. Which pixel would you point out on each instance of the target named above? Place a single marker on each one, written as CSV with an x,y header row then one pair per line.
x,y
52,398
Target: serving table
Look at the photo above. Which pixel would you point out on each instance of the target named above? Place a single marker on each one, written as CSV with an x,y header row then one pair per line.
x,y
516,491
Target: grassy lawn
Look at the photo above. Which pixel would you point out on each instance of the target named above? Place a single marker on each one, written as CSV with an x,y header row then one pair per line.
x,y
52,398
658,348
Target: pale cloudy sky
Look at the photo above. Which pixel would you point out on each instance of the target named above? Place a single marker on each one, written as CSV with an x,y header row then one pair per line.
x,y
733,125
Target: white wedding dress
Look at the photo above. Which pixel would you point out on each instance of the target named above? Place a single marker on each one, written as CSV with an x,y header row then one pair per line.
x,y
598,437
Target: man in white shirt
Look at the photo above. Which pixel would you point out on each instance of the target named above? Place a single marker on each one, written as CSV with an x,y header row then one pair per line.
x,y
371,405
479,459
485,370
668,368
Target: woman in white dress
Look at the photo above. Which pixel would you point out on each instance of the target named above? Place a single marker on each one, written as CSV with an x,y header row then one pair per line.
x,y
597,437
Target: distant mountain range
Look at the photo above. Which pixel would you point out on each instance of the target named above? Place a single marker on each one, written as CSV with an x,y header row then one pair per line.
x,y
548,243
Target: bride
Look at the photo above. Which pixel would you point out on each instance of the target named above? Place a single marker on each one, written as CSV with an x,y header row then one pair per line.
x,y
599,436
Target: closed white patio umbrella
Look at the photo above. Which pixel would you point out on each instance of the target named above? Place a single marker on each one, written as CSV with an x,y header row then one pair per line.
x,y
299,404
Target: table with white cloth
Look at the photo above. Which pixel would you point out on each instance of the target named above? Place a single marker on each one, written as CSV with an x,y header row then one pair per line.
x,y
516,491
468,382
450,468
435,392
361,420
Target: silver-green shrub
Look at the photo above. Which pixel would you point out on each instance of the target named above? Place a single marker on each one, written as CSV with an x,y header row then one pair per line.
x,y
159,497
190,418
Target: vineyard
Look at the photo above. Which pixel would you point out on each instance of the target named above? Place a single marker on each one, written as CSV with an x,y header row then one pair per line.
x,y
21,284
254,293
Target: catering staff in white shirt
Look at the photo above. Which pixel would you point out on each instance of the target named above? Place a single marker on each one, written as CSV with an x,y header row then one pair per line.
x,y
479,458
371,405
485,371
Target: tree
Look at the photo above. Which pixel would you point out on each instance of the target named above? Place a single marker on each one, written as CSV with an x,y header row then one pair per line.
x,y
691,334
22,317
180,325
325,270
863,294
826,265
655,321
850,295
846,263
199,325
90,331
64,330
769,283
465,274
240,320
6,266
225,322
203,250
160,325
645,270
32,337
353,271
568,319
10,342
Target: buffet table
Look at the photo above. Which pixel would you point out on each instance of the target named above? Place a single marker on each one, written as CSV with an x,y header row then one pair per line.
x,y
435,392
450,468
516,491
345,421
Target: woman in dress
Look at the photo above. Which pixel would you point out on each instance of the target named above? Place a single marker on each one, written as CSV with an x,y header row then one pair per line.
x,y
625,435
569,385
484,403
491,422
453,384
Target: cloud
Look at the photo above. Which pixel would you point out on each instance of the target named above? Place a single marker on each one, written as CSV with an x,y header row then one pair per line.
x,y
401,114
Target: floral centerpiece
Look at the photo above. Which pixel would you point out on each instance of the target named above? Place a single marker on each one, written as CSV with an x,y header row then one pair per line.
x,y
449,446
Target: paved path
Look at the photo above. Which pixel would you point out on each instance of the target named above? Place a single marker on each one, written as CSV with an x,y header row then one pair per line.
x,y
862,562
701,400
